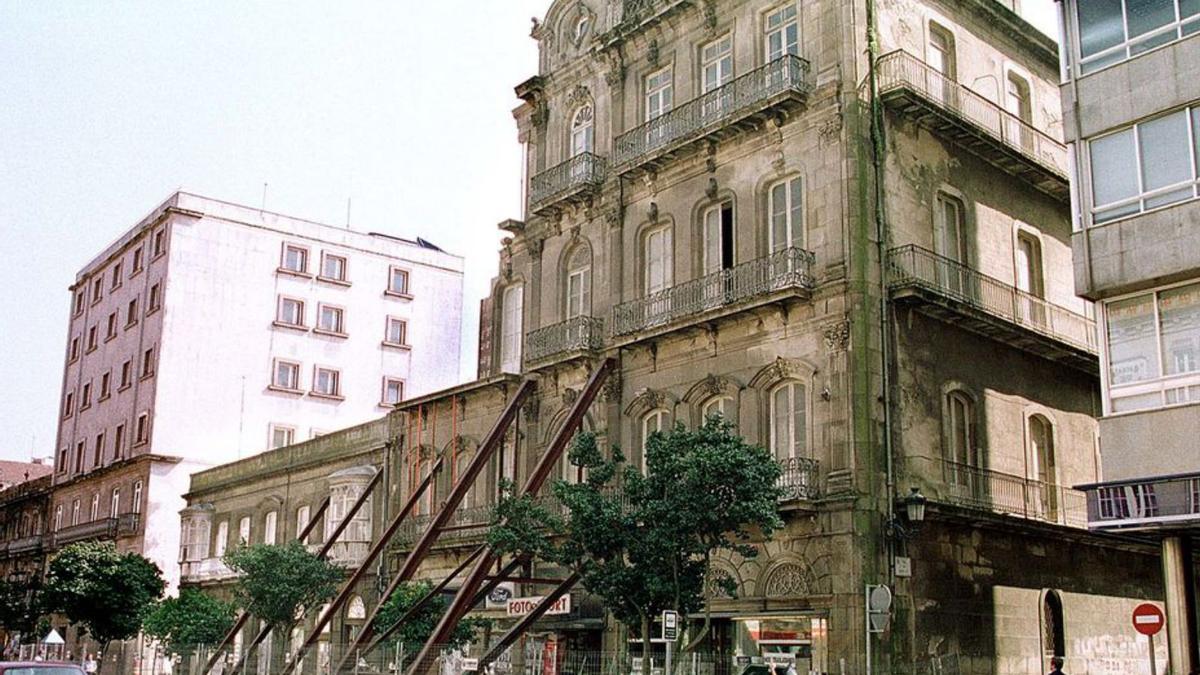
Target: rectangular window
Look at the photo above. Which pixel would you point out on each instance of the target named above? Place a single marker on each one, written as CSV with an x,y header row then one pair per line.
x,y
142,429
97,289
269,523
131,313
286,375
327,382
63,458
92,337
222,542
290,312
137,497
716,63
718,238
658,273
74,353
330,319
79,302
1111,31
111,331
137,261
398,281
126,374
98,450
783,33
333,267
148,362
75,512
118,441
1148,165
1154,349
85,398
282,436
154,301
69,404
160,242
80,449
244,530
94,512
393,390
115,283
397,332
512,315
105,384
787,214
302,518
659,93
295,259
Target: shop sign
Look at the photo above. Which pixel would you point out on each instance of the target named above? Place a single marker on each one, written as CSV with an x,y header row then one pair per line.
x,y
523,606
468,664
499,596
670,625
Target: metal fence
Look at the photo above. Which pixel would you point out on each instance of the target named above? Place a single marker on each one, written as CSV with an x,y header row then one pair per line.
x,y
913,265
582,333
1009,494
582,171
788,268
713,110
799,478
901,70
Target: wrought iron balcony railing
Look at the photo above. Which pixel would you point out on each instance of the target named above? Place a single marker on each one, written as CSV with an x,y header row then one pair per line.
x,y
912,265
577,176
580,334
900,71
799,478
31,544
1147,503
103,528
1012,495
788,269
780,80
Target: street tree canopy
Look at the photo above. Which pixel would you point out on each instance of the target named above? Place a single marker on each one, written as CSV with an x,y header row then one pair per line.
x,y
417,629
644,543
106,593
277,580
194,618
19,605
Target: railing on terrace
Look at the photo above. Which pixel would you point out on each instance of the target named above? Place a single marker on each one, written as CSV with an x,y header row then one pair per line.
x,y
207,569
26,544
790,268
901,70
913,265
798,478
580,334
1149,502
103,528
1009,494
465,523
581,172
713,110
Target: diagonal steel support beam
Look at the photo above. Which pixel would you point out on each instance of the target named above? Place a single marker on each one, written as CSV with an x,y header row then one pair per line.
x,y
244,617
527,621
372,555
421,548
330,540
545,466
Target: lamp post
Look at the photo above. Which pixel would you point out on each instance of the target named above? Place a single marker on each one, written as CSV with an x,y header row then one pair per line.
x,y
904,525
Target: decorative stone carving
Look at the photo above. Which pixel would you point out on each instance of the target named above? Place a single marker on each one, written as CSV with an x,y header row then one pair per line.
x,y
789,580
653,212
579,95
831,128
713,385
541,114
615,76
570,395
711,190
710,16
718,583
536,246
611,391
837,335
652,53
613,217
531,409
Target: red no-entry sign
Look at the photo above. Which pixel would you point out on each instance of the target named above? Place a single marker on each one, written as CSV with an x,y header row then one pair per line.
x,y
1148,619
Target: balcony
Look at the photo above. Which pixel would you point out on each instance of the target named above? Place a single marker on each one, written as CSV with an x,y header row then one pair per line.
x,y
349,553
952,292
1011,495
580,336
911,87
798,478
786,273
575,180
208,569
743,103
465,524
104,528
26,545
1159,503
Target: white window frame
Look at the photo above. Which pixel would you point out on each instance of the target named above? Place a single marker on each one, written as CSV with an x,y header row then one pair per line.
x,y
512,319
303,515
303,252
665,279
387,384
796,447
270,522
788,18
222,543
289,432
326,256
245,533
294,367
339,315
795,233
721,404
716,63
281,314
335,378
137,497
660,95
1123,51
387,331
583,130
114,503
391,285
579,291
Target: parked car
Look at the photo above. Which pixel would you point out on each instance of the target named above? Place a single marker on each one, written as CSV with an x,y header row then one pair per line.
x,y
39,668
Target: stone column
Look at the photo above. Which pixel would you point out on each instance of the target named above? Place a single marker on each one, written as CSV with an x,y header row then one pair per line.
x,y
1180,593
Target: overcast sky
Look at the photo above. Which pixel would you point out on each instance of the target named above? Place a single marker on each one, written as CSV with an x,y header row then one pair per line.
x,y
403,107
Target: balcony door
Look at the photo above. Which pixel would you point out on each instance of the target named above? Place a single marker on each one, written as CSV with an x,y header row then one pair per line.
x,y
716,70
718,254
1019,130
1045,493
583,134
512,314
660,94
943,67
579,283
1030,307
951,271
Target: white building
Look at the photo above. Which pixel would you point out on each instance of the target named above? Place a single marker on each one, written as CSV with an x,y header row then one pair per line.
x,y
211,332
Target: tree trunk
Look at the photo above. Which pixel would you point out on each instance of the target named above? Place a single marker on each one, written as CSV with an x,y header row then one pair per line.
x,y
645,644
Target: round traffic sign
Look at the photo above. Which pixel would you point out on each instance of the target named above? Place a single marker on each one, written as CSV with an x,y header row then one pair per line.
x,y
1148,619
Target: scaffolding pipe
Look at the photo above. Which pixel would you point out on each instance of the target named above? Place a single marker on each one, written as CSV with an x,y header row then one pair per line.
x,y
527,621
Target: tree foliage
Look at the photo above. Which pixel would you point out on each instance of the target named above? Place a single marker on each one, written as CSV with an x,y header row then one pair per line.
x,y
644,543
278,579
105,592
194,618
19,605
417,629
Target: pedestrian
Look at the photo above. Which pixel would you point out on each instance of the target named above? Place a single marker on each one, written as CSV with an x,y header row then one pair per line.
x,y
1056,664
89,664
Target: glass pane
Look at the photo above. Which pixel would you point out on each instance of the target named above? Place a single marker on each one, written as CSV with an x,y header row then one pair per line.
x,y
1165,159
1140,402
797,213
1179,320
1196,131
1114,168
1145,15
1132,342
1188,8
1100,26
712,240
778,217
799,420
780,410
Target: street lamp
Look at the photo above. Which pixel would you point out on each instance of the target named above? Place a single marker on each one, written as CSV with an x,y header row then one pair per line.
x,y
914,506
905,526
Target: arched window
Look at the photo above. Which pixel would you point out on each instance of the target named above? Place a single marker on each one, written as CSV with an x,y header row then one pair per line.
x,y
1053,642
269,523
789,423
583,133
959,429
578,291
718,405
1041,441
512,308
356,610
653,422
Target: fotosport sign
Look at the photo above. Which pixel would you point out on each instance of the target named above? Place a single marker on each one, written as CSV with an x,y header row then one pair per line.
x,y
523,606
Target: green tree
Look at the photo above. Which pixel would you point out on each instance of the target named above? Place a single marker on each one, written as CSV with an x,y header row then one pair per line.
x,y
106,593
19,605
644,543
192,619
418,627
277,580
